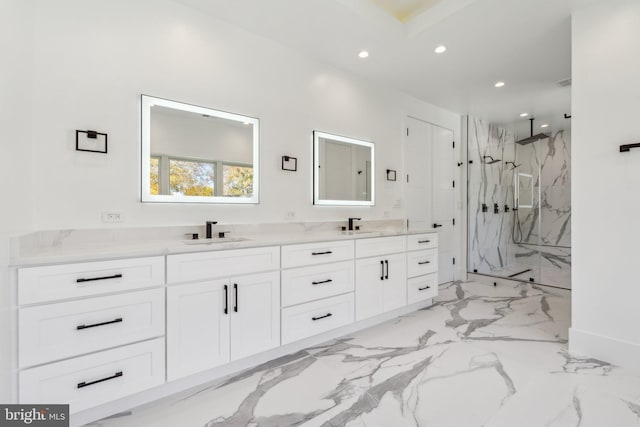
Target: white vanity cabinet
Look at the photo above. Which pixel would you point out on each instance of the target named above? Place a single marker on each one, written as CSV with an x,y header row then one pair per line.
x,y
89,333
217,320
317,295
94,332
381,277
422,267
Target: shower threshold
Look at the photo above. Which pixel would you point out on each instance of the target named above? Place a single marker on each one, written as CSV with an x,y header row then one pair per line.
x,y
522,272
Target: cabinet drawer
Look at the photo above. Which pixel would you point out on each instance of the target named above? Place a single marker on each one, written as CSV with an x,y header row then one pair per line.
x,y
422,288
315,317
311,283
380,246
209,265
316,253
95,379
57,282
416,242
56,331
422,262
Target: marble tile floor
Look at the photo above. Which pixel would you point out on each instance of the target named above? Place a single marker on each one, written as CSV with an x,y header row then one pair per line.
x,y
481,356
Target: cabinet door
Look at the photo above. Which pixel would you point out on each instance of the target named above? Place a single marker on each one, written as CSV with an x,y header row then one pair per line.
x,y
197,327
394,294
369,282
254,304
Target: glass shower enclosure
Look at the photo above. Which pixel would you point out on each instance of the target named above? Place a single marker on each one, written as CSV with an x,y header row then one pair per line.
x,y
518,205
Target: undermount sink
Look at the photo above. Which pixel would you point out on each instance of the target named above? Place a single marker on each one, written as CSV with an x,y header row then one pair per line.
x,y
215,241
358,232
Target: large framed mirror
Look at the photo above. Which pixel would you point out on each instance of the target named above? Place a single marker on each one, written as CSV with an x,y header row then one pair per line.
x,y
195,154
343,170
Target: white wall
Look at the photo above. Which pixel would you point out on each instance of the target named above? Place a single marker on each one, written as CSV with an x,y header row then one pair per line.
x,y
94,59
15,155
606,183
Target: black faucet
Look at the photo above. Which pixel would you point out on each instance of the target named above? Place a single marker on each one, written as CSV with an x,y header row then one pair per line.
x,y
209,225
351,223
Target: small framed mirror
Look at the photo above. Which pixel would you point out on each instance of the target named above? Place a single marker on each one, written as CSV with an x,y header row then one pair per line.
x,y
343,170
524,190
193,154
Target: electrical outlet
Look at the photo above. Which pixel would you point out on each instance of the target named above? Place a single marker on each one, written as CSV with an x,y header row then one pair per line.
x,y
112,217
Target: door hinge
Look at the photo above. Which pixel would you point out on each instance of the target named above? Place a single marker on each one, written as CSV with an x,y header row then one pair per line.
x,y
407,224
454,221
407,131
407,177
454,261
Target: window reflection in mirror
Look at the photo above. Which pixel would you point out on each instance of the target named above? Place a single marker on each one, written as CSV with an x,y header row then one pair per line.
x,y
196,154
343,170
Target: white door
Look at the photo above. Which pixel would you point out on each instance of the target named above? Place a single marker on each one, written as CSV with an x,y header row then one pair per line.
x,y
254,302
197,327
418,179
430,166
394,285
369,281
444,168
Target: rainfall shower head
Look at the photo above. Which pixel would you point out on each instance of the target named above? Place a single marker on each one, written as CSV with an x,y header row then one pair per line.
x,y
491,161
532,138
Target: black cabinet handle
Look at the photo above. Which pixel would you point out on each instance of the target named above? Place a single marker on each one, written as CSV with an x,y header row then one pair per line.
x,y
86,384
424,241
226,299
437,225
93,279
425,288
80,327
424,262
235,290
321,317
324,281
322,253
386,262
381,270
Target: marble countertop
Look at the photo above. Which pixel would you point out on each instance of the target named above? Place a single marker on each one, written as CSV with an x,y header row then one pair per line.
x,y
103,250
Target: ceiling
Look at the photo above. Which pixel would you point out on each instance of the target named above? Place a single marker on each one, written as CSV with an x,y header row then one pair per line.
x,y
525,43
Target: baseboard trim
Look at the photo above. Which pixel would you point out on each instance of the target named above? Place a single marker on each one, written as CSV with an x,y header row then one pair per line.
x,y
617,352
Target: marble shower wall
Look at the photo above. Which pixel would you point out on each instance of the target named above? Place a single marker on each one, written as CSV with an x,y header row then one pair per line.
x,y
496,245
490,187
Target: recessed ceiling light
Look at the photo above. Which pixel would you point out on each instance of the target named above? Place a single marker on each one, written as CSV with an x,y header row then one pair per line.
x,y
499,84
363,54
441,49
524,114
544,126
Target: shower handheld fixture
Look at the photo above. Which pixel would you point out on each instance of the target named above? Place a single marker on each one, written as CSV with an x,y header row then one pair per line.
x,y
491,160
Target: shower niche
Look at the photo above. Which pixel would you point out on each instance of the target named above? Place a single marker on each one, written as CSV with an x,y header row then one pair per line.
x,y
519,204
